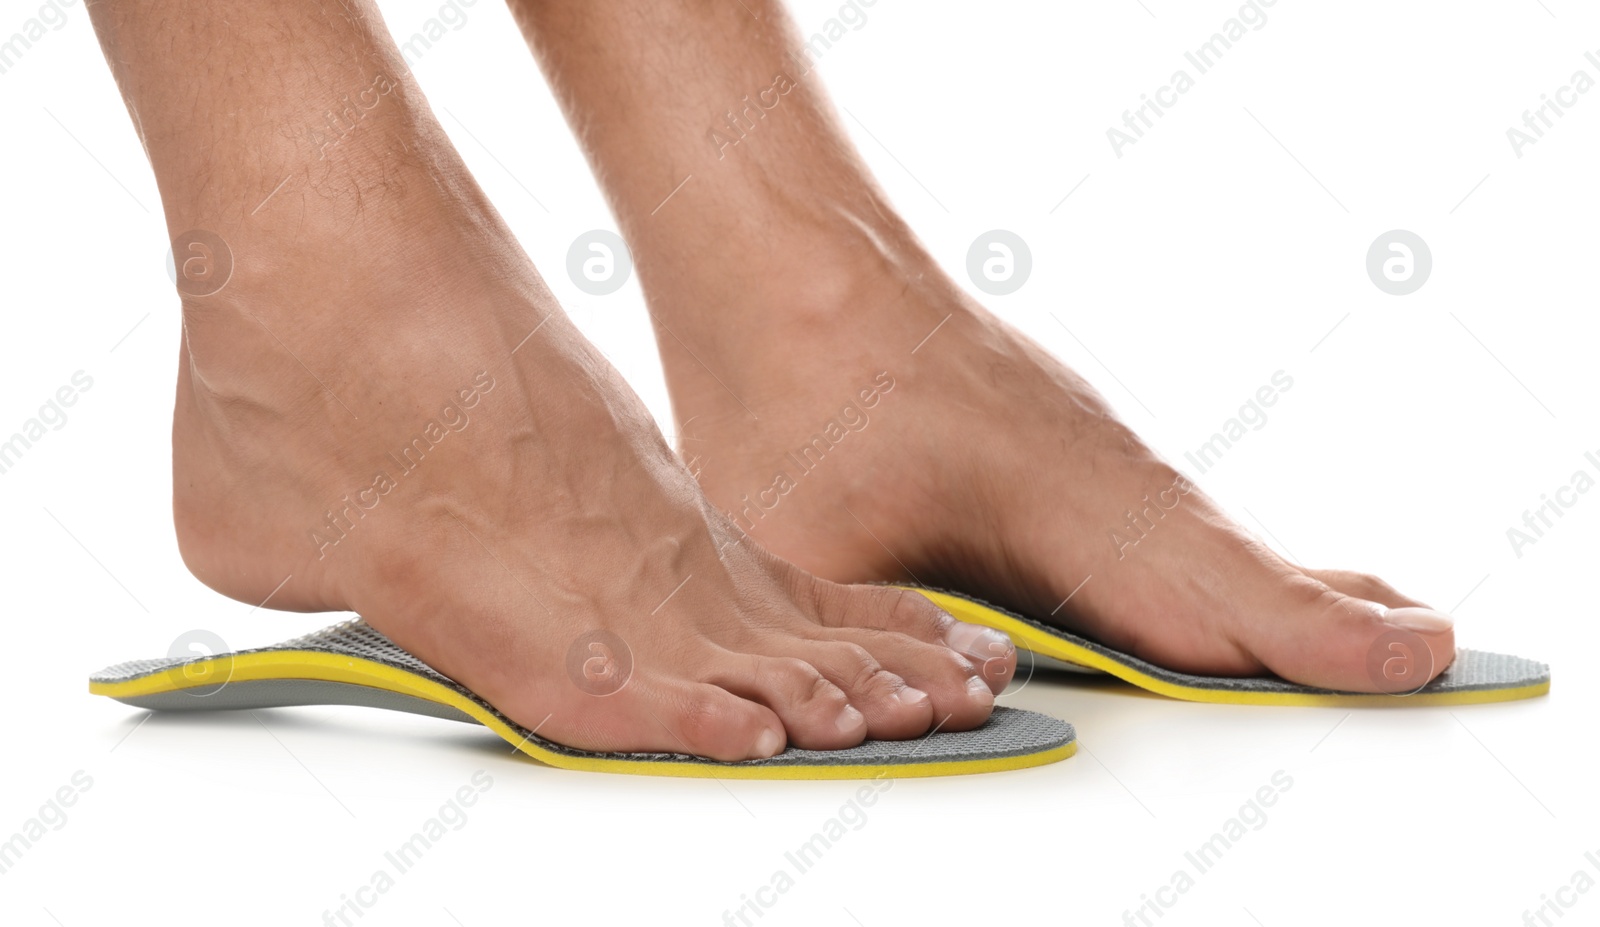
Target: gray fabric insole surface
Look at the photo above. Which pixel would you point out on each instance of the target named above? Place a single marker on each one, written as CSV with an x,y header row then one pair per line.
x,y
1473,670
1009,732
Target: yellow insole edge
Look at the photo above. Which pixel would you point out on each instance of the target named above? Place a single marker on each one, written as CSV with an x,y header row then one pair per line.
x,y
329,667
1036,640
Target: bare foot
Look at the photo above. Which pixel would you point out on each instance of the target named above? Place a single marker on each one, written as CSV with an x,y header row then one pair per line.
x,y
381,408
434,446
982,464
792,301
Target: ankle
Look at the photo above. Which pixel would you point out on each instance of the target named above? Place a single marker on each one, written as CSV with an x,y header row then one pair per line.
x,y
746,308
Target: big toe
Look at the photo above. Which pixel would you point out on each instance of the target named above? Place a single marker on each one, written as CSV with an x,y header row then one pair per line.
x,y
1325,638
655,715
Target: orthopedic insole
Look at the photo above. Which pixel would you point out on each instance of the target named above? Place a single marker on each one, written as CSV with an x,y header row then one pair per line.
x,y
1474,677
353,664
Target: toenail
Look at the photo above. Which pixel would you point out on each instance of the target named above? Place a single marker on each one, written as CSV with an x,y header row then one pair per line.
x,y
850,720
770,743
980,691
980,643
1421,620
910,696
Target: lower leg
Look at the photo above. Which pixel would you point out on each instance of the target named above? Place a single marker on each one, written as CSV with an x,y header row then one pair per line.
x,y
381,408
787,293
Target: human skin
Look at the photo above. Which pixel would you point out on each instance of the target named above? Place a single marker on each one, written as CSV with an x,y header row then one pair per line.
x,y
373,291
781,280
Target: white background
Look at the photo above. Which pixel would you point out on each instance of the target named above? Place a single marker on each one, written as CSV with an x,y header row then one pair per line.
x,y
1206,258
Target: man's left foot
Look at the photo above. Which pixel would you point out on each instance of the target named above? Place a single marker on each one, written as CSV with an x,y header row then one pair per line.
x,y
785,289
879,425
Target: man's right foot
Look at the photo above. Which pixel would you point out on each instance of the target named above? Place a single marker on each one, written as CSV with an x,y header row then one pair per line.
x,y
385,406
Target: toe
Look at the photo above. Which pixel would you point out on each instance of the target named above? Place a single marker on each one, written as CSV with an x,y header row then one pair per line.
x,y
990,651
815,712
894,710
1364,586
906,612
1321,637
664,717
712,722
957,696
